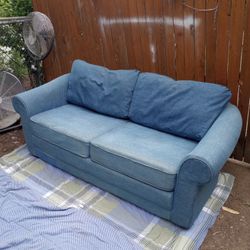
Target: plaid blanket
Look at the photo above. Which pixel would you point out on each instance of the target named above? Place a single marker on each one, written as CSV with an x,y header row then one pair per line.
x,y
143,229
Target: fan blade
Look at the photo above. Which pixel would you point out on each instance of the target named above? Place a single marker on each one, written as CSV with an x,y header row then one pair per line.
x,y
38,35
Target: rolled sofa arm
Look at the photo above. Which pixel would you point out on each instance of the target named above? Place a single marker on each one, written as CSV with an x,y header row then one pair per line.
x,y
43,98
199,171
211,153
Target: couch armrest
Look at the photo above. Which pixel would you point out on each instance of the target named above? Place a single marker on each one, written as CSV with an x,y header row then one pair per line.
x,y
43,98
199,171
211,153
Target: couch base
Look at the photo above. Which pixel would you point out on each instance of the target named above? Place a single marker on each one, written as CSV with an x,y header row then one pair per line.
x,y
155,201
167,205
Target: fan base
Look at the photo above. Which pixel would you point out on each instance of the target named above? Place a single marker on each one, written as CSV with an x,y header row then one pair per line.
x,y
9,120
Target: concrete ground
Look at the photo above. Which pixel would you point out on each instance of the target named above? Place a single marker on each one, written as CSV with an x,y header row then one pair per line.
x,y
230,231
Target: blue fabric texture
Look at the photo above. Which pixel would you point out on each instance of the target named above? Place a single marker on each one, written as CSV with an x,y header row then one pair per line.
x,y
72,127
137,153
103,90
147,155
91,170
189,198
206,160
30,222
184,108
37,100
43,98
199,170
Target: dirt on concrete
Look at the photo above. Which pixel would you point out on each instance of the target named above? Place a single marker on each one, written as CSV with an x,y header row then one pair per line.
x,y
230,231
10,141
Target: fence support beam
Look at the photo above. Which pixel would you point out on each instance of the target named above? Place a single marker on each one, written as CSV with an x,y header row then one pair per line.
x,y
10,20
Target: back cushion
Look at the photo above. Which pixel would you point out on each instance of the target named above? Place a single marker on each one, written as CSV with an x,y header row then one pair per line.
x,y
183,108
103,90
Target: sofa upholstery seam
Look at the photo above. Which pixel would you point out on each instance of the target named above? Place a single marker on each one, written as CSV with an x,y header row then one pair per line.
x,y
84,157
44,126
117,154
172,192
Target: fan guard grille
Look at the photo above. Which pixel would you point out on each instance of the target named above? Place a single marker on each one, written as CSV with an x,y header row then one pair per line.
x,y
38,35
10,85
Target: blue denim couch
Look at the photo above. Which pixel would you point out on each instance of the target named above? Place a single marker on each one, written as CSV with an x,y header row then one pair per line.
x,y
168,175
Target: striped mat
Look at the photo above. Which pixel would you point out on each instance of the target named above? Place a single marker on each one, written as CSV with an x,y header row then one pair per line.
x,y
144,229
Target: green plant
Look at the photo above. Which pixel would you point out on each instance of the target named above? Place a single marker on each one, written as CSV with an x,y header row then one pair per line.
x,y
15,7
16,59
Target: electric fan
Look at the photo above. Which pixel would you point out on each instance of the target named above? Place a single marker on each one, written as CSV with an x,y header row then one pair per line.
x,y
9,86
38,36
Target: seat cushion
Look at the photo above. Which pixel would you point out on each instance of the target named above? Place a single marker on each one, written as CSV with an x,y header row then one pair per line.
x,y
147,155
184,108
71,127
103,90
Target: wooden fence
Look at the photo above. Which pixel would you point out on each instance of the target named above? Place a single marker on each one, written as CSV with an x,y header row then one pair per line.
x,y
170,37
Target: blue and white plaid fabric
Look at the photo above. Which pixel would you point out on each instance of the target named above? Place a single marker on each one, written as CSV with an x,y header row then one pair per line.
x,y
67,213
